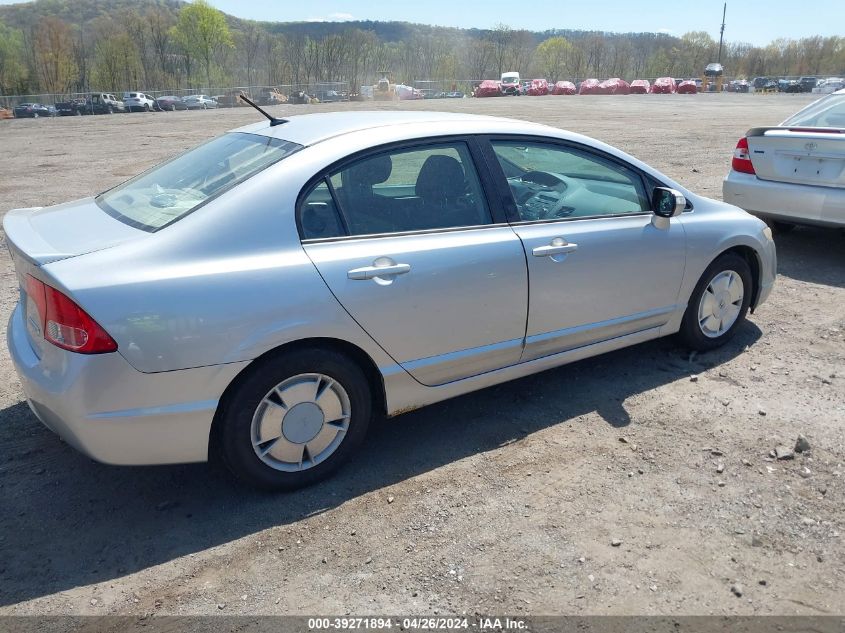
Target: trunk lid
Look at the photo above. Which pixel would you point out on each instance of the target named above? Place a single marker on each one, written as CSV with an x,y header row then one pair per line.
x,y
43,235
804,156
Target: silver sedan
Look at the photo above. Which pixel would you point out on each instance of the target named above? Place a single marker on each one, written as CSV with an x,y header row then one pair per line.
x,y
267,293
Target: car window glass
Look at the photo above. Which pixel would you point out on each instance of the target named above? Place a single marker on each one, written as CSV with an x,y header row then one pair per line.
x,y
172,190
551,182
318,214
827,112
429,187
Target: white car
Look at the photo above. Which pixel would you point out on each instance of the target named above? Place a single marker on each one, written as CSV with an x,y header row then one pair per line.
x,y
199,102
793,173
138,101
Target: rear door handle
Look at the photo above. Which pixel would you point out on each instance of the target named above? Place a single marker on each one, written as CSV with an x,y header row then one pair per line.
x,y
381,271
558,246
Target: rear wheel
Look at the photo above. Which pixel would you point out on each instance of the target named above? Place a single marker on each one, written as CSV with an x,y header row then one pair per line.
x,y
719,303
294,419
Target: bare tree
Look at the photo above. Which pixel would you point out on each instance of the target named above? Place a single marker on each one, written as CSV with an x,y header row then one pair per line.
x,y
53,41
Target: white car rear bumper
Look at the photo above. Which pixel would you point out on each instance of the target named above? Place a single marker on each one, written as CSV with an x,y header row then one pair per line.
x,y
787,202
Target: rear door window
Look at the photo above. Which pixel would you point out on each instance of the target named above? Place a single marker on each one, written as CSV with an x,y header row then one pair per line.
x,y
409,189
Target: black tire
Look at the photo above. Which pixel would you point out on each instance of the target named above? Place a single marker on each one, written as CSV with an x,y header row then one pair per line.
x,y
146,107
691,333
234,419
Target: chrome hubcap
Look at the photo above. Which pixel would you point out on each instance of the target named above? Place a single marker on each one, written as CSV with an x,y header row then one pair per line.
x,y
300,422
720,304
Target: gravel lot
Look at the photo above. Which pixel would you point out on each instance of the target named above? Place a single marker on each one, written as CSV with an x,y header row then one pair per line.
x,y
508,500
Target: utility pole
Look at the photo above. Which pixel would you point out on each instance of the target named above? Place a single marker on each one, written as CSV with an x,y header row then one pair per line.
x,y
722,31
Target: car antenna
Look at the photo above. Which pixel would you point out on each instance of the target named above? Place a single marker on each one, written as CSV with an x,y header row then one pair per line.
x,y
273,120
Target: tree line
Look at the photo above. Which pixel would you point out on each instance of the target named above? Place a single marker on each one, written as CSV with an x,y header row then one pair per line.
x,y
167,45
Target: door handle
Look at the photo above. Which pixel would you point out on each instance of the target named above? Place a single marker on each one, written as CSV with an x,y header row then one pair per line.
x,y
558,246
371,272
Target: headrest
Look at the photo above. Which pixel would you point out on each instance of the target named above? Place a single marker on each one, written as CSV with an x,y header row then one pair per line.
x,y
370,172
441,177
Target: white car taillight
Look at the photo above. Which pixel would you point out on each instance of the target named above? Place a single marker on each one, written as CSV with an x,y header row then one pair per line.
x,y
742,158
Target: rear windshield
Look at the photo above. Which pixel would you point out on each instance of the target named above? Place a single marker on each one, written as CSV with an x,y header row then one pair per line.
x,y
827,112
174,189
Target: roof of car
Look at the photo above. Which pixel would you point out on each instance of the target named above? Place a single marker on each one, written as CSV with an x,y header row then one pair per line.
x,y
308,129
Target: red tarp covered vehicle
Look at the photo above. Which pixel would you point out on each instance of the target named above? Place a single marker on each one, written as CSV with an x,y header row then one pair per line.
x,y
687,87
589,87
664,86
488,88
564,88
614,86
640,86
538,88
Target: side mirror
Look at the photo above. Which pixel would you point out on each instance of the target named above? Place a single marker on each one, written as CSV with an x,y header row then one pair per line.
x,y
666,203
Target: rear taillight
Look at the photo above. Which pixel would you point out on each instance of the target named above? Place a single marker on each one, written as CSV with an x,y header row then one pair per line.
x,y
64,323
742,158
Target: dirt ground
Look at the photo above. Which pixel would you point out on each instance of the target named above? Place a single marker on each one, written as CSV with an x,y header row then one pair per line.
x,y
507,500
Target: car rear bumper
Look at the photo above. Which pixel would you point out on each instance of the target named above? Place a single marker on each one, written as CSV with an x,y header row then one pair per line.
x,y
113,413
783,201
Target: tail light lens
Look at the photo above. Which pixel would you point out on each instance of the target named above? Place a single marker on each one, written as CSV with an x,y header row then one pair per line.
x,y
64,323
742,158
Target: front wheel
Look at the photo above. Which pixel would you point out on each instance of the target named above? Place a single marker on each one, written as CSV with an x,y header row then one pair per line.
x,y
718,305
294,419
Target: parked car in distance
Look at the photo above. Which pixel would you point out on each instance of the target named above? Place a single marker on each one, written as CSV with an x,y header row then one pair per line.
x,y
488,88
270,96
737,85
333,96
138,102
312,340
829,85
199,102
232,99
72,107
33,111
171,103
807,83
687,87
538,88
793,173
510,84
105,103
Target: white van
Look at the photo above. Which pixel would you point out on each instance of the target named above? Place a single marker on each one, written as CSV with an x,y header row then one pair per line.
x,y
511,84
